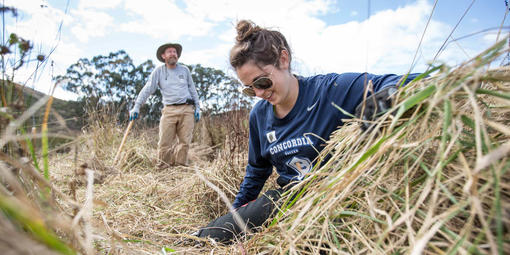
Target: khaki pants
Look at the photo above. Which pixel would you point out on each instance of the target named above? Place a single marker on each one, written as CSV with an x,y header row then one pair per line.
x,y
176,120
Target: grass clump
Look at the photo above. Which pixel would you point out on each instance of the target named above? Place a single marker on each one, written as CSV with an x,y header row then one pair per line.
x,y
431,177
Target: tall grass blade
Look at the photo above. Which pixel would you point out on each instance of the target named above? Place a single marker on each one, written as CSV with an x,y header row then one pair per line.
x,y
493,93
412,101
34,226
45,146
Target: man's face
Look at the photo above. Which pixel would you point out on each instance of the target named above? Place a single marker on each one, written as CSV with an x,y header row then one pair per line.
x,y
170,56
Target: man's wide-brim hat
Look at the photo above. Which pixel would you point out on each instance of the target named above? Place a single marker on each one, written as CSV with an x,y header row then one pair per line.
x,y
163,47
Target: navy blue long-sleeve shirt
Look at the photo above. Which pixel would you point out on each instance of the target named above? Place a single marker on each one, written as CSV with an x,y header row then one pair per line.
x,y
287,143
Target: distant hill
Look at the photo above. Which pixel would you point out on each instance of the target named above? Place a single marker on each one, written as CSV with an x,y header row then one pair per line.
x,y
64,114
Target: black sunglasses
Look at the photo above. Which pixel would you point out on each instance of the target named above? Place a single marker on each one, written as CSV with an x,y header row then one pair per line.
x,y
263,82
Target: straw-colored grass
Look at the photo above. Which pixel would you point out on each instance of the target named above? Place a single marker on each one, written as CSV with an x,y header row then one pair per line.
x,y
431,181
140,209
431,178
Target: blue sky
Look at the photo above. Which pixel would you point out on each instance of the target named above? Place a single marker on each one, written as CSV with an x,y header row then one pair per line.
x,y
325,35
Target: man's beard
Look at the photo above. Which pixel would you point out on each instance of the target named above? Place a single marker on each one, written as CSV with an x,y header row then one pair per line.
x,y
171,61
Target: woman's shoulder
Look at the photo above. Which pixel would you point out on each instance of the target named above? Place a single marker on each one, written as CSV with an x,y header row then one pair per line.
x,y
317,83
318,79
337,79
260,108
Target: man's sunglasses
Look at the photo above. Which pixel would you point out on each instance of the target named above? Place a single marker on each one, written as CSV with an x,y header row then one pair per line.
x,y
263,82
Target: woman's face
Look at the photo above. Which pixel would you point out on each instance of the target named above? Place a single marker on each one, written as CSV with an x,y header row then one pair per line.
x,y
250,72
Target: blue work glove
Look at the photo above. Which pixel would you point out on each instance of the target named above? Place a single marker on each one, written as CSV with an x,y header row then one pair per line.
x,y
197,115
375,105
133,114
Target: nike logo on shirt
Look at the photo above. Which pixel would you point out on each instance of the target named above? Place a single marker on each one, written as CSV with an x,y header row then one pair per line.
x,y
312,106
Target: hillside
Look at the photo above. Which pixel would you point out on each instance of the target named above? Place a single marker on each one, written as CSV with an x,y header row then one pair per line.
x,y
65,115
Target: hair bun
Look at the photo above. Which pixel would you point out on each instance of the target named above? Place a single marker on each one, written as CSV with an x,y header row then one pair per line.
x,y
245,30
257,44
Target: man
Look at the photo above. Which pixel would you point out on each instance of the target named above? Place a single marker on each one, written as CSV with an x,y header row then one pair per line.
x,y
179,99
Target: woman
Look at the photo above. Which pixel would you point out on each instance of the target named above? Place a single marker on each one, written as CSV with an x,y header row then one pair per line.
x,y
292,108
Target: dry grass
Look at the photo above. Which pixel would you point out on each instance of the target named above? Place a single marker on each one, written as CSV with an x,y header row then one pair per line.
x,y
139,208
129,208
431,181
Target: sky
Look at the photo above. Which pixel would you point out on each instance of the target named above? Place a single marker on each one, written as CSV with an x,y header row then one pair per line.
x,y
376,36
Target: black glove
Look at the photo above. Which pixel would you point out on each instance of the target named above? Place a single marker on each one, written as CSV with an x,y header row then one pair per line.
x,y
375,105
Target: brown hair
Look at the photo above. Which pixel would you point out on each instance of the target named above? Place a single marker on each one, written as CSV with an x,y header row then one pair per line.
x,y
260,45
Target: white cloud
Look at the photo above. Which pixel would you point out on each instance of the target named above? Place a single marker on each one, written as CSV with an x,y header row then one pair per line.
x,y
384,43
492,38
216,56
91,24
289,16
162,19
228,35
268,10
65,55
98,4
465,48
28,6
42,26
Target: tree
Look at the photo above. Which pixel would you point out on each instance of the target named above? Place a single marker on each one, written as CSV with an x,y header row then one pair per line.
x,y
107,80
205,79
236,99
218,92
